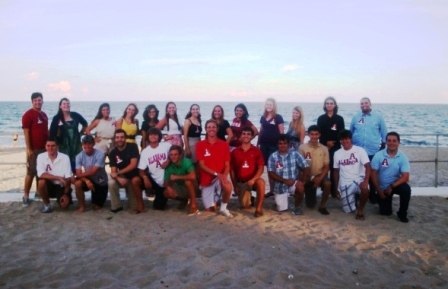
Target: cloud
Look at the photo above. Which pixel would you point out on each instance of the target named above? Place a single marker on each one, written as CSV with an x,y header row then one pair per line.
x,y
238,58
290,67
63,86
32,75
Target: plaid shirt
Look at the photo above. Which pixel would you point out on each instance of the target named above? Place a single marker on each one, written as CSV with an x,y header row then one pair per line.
x,y
286,167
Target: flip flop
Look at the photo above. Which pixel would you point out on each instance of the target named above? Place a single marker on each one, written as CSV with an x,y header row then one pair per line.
x,y
360,217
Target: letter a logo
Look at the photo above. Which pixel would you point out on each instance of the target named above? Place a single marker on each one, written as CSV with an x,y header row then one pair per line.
x,y
385,163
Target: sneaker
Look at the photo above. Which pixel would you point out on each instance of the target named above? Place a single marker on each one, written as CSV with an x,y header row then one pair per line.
x,y
193,212
47,209
297,211
226,213
116,210
403,218
26,202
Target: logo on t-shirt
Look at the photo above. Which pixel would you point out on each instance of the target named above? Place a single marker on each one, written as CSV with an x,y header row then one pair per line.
x,y
272,122
350,161
361,120
245,165
39,121
385,163
236,124
118,159
48,168
308,156
334,127
207,153
158,159
278,165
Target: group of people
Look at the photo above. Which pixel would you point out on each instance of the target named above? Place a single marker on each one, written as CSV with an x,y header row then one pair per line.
x,y
355,165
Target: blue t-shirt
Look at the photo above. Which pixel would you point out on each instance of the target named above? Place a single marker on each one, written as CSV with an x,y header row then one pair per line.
x,y
389,169
368,130
269,131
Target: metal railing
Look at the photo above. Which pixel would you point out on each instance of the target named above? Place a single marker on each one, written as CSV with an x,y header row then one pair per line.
x,y
436,160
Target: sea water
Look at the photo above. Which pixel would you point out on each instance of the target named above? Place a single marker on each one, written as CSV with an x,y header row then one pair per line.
x,y
418,124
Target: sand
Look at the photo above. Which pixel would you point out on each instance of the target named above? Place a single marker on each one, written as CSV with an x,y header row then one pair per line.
x,y
98,249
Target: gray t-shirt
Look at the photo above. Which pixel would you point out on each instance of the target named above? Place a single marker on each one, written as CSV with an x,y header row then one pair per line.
x,y
95,160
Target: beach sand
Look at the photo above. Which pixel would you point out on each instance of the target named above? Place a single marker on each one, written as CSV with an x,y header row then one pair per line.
x,y
98,249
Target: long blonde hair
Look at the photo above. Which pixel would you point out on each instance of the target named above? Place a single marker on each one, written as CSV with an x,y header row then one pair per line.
x,y
298,123
274,110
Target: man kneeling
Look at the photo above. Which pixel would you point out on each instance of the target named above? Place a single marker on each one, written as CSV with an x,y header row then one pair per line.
x,y
179,180
94,177
54,172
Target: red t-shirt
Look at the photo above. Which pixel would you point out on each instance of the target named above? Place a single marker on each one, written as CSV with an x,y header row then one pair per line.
x,y
37,123
245,163
214,156
237,129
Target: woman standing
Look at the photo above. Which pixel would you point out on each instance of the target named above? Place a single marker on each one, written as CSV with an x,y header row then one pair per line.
x,y
330,124
128,123
272,125
192,131
104,126
239,122
171,124
296,129
150,119
223,125
65,128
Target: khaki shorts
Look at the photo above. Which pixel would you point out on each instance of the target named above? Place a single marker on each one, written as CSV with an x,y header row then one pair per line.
x,y
181,191
31,163
245,194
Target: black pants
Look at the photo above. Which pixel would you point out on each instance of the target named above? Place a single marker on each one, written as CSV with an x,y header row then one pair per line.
x,y
373,197
159,200
99,196
404,191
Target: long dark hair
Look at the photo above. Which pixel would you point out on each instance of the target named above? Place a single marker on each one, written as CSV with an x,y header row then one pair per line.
x,y
133,116
167,116
99,115
189,112
146,112
245,115
60,114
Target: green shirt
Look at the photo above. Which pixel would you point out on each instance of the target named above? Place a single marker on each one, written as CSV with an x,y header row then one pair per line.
x,y
184,168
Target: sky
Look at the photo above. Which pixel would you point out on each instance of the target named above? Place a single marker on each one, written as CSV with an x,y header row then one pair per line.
x,y
208,50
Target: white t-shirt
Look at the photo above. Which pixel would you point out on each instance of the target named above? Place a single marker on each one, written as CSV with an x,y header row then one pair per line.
x,y
351,164
152,160
60,167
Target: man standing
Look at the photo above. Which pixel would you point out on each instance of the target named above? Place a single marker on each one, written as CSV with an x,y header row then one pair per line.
x,y
180,177
246,168
352,172
54,172
93,178
369,132
213,156
152,164
35,131
318,159
284,166
123,173
390,175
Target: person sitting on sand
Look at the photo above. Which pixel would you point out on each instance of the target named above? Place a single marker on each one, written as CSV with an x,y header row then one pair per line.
x,y
317,156
90,175
54,172
123,172
179,180
213,157
352,172
390,175
284,166
246,168
152,164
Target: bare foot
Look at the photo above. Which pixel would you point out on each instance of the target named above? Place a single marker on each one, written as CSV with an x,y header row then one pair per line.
x,y
80,210
96,207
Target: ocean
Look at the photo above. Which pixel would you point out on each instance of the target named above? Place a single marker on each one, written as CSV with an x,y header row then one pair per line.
x,y
418,124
